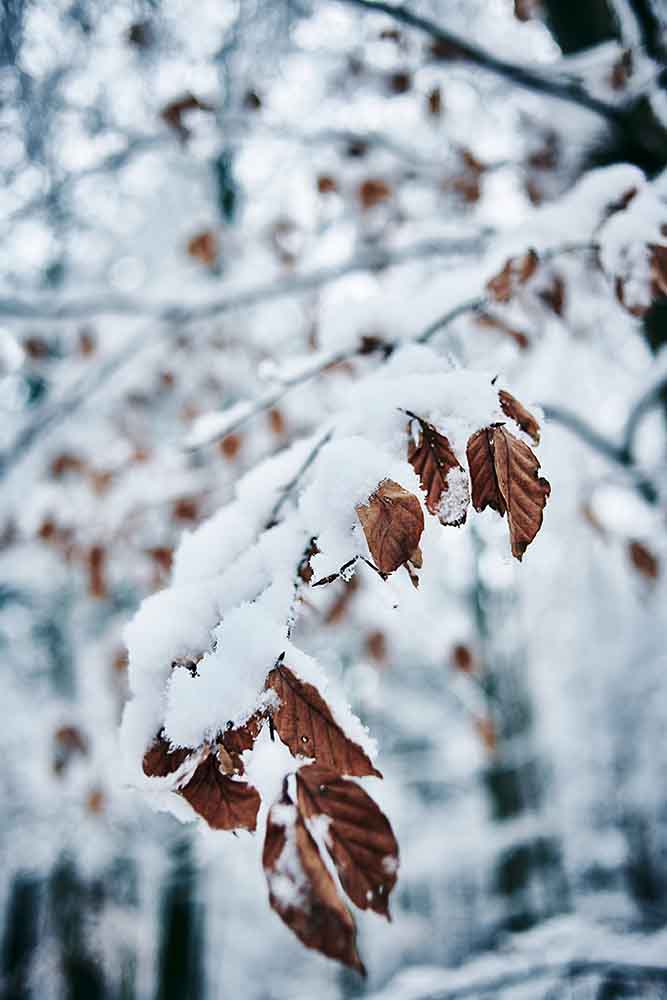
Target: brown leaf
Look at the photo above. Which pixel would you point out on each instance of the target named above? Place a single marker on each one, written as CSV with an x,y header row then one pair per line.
x,y
637,306
204,247
516,272
504,476
186,509
393,523
487,733
463,658
172,113
658,265
225,803
359,836
376,645
230,446
444,50
277,421
399,82
644,561
621,71
96,558
553,295
326,184
485,319
234,740
339,607
69,740
161,759
516,411
373,191
433,460
95,801
301,890
434,102
304,722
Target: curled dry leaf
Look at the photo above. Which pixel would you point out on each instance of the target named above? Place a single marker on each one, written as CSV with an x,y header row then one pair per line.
x,y
161,759
463,658
516,272
172,114
204,247
517,412
358,835
437,466
643,560
503,471
393,522
234,740
626,286
301,890
553,295
372,192
225,803
490,322
304,722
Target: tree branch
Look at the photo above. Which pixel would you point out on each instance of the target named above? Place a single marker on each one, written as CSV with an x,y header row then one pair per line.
x,y
576,969
649,401
372,259
617,453
522,76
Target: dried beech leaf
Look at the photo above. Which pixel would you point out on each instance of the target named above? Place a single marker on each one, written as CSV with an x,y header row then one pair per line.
x,y
643,560
301,890
161,759
358,836
490,322
433,460
516,272
372,192
625,285
487,733
481,463
235,740
393,522
504,476
224,802
516,411
463,658
304,722
172,113
204,247
553,295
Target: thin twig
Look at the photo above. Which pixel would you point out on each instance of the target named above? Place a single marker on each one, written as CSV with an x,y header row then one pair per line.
x,y
176,316
372,259
291,486
522,76
642,407
240,414
617,453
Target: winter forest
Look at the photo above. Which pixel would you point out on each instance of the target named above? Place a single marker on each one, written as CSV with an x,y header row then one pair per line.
x,y
333,499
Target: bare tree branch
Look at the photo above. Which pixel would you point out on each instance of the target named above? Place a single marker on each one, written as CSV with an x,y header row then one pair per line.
x,y
371,259
629,972
617,453
522,76
649,401
176,316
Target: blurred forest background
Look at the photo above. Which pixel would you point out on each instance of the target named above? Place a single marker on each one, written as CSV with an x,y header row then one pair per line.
x,y
197,201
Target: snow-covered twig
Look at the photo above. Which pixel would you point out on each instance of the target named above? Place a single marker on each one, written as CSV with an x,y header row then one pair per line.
x,y
644,405
617,453
371,259
522,76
